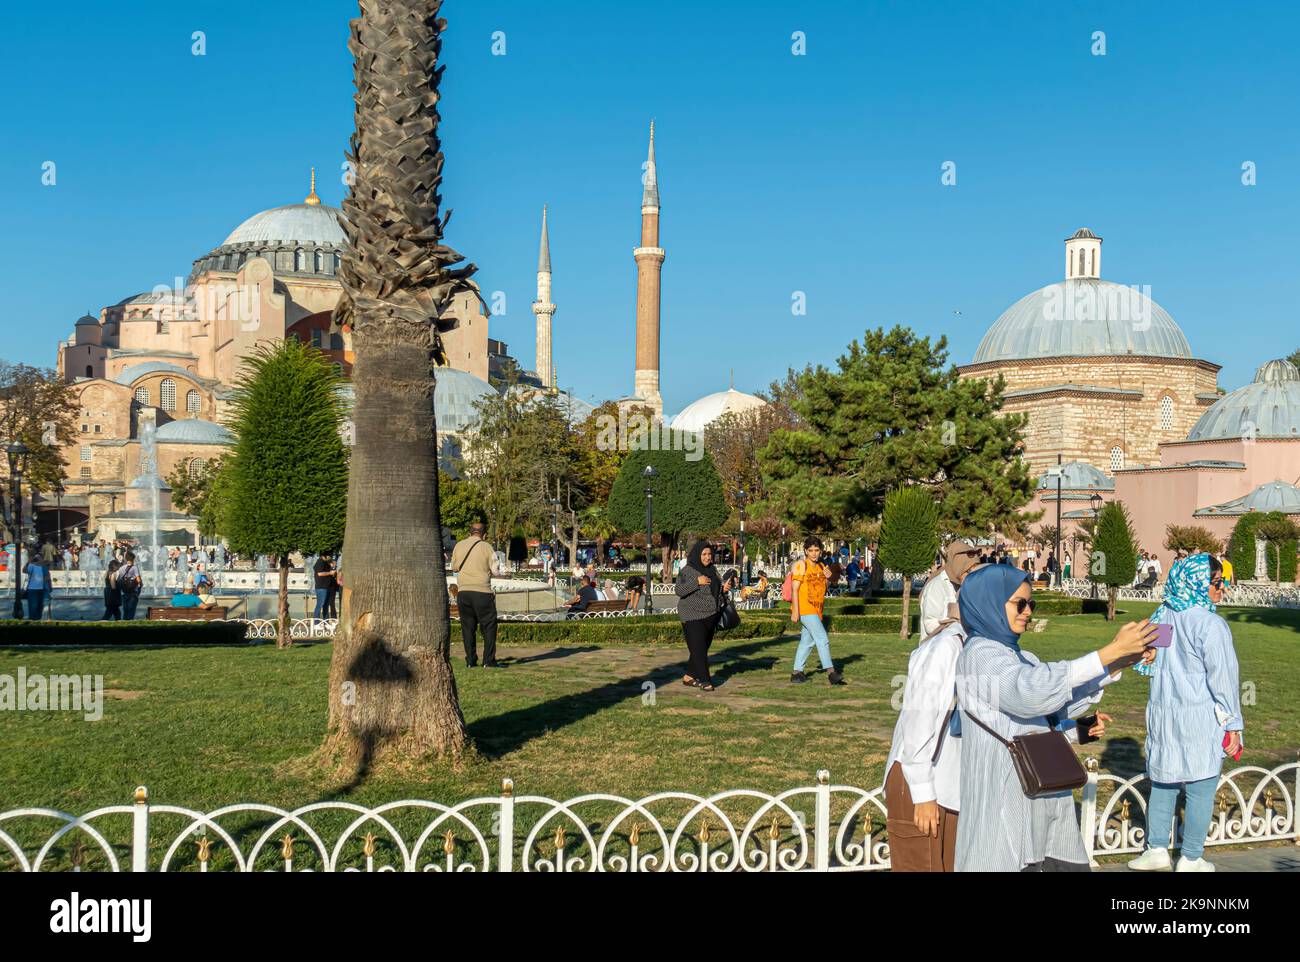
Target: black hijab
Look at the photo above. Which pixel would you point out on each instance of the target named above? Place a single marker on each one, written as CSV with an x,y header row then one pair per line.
x,y
694,560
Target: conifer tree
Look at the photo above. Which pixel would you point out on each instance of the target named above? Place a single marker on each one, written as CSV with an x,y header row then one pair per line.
x,y
687,495
1114,553
909,540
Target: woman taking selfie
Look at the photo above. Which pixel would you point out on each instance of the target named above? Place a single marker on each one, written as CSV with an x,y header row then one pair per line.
x,y
1193,715
1007,692
698,589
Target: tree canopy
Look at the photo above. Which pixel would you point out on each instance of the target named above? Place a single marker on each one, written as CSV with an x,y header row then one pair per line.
x,y
687,493
894,414
38,408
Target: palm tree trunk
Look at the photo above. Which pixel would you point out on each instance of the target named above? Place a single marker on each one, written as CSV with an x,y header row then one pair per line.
x,y
392,690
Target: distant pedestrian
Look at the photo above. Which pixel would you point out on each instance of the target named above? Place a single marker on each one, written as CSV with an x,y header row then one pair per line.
x,y
112,594
809,579
475,564
38,586
699,588
326,582
129,583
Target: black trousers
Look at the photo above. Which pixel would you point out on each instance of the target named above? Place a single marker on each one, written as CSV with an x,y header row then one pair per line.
x,y
478,609
699,636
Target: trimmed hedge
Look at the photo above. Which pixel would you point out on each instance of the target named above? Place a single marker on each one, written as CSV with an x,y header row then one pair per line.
x,y
86,634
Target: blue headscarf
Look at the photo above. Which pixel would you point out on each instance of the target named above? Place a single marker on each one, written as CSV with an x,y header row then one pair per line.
x,y
1188,586
982,602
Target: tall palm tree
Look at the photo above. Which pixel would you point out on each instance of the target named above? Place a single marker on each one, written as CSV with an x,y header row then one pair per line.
x,y
392,691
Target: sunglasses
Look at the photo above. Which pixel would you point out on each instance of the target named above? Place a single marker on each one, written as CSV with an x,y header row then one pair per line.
x,y
1023,604
1216,582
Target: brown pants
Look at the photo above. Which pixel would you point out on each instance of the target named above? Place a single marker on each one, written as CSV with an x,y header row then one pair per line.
x,y
910,850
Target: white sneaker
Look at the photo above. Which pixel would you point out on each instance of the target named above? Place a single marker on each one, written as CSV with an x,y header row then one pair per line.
x,y
1193,865
1152,860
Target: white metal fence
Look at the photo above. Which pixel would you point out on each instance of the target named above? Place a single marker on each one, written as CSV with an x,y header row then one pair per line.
x,y
822,828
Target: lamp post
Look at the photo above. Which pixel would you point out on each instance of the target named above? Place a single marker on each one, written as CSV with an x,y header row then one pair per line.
x,y
1059,472
555,548
1096,503
17,453
740,500
649,475
58,514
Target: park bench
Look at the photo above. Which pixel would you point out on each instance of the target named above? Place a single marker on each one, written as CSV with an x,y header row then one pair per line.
x,y
169,613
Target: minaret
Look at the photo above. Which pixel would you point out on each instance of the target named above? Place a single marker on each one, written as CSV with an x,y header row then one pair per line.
x,y
649,261
544,310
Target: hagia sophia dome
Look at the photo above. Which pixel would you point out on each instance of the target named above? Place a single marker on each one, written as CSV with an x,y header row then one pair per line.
x,y
697,415
1268,407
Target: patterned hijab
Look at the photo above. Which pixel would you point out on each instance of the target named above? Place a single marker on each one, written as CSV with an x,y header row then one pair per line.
x,y
1188,586
982,601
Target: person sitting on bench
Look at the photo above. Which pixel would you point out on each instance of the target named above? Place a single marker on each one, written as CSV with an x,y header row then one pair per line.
x,y
190,599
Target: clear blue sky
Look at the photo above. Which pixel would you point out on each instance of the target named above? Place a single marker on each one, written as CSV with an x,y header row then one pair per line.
x,y
778,173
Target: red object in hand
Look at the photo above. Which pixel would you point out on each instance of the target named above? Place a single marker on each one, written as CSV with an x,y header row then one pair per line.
x,y
1227,740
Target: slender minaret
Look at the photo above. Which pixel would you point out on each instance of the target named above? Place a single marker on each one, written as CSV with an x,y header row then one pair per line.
x,y
649,261
544,309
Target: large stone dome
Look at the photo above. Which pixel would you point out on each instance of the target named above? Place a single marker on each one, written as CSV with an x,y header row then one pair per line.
x,y
292,224
1268,407
454,396
1083,317
699,414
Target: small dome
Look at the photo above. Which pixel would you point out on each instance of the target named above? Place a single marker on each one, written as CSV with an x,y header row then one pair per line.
x,y
697,415
1268,407
454,396
193,431
1274,496
1084,233
1083,317
1077,476
295,223
87,320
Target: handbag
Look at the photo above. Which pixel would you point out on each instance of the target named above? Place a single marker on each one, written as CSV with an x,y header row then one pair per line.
x,y
728,616
1044,761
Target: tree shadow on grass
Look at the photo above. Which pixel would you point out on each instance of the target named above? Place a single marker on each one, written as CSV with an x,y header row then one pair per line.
x,y
548,655
1123,756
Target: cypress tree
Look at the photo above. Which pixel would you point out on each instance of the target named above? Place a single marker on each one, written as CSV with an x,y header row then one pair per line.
x,y
687,494
284,486
1114,553
909,540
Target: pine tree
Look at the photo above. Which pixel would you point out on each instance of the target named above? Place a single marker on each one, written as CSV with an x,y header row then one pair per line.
x,y
284,485
909,540
1114,553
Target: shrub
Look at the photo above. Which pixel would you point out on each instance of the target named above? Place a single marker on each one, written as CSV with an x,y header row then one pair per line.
x,y
1114,552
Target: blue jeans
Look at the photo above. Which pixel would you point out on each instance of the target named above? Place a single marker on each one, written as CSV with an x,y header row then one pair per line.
x,y
322,597
813,633
35,603
1197,812
129,601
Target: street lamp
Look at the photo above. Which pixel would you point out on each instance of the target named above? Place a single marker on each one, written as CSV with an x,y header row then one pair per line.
x,y
555,548
1096,503
740,500
649,474
58,514
18,454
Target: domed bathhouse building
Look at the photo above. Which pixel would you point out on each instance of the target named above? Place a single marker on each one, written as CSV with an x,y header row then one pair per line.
x,y
1102,370
1242,455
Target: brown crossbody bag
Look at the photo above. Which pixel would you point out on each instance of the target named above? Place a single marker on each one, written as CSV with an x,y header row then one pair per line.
x,y
1044,761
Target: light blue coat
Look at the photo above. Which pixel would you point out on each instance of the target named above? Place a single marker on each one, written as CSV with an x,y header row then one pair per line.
x,y
1194,674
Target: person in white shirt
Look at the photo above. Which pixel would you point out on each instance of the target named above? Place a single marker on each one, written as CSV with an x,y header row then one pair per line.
x,y
922,773
939,596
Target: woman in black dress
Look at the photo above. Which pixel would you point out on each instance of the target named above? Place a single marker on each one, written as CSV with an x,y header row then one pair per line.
x,y
698,589
112,593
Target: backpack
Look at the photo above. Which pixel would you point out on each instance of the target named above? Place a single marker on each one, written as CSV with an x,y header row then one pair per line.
x,y
787,587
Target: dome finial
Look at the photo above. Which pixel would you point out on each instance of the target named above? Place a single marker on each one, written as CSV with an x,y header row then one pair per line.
x,y
312,199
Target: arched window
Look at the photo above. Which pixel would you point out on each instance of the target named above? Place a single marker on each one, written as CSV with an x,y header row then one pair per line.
x,y
320,262
195,467
301,259
90,371
193,403
87,452
1166,413
142,396
1116,458
168,394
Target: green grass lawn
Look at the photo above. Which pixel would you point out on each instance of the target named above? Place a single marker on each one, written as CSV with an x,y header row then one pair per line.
x,y
205,727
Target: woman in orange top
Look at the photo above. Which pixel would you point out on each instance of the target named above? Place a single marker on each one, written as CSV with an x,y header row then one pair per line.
x,y
809,578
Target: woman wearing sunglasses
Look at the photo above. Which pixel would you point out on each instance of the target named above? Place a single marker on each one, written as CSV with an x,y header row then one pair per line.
x,y
1013,693
1193,714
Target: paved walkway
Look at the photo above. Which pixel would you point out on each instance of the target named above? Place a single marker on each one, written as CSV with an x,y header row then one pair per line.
x,y
1277,858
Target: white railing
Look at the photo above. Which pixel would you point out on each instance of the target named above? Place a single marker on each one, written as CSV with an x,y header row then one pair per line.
x,y
1245,595
822,828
